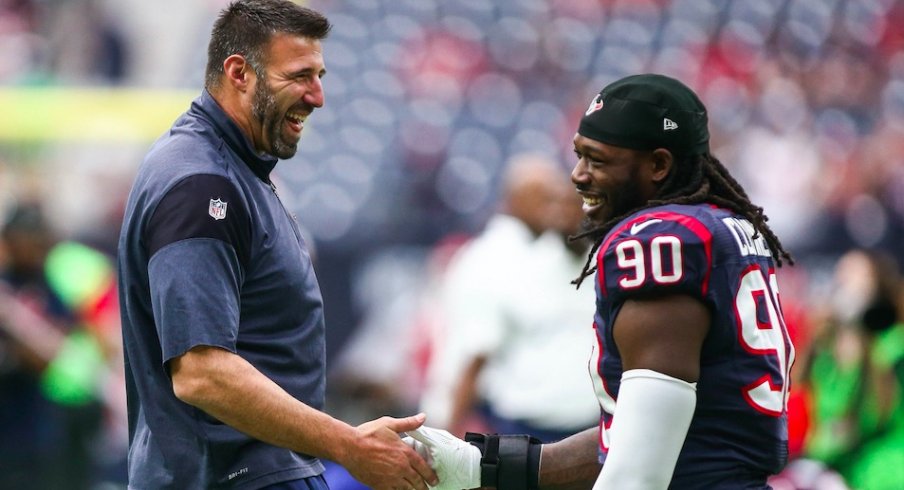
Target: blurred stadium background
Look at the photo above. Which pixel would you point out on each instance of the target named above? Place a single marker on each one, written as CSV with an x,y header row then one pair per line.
x,y
427,99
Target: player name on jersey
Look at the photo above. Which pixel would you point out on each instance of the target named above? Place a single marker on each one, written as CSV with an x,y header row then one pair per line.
x,y
743,233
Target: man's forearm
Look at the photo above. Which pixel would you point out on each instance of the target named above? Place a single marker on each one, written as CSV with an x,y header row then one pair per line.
x,y
571,463
230,389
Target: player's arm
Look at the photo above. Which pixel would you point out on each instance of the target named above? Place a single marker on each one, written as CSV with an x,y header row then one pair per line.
x,y
572,463
508,462
660,341
227,387
663,334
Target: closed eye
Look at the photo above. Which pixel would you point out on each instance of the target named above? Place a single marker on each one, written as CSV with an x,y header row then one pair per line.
x,y
306,74
589,159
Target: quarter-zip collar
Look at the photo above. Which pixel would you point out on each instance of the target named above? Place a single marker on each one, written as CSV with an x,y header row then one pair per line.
x,y
208,108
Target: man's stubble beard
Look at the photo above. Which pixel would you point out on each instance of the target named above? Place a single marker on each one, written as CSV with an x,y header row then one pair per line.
x,y
264,109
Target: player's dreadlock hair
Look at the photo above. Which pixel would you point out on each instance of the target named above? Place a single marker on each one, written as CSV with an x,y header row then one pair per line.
x,y
694,179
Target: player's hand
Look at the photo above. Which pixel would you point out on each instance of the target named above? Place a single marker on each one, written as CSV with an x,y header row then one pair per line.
x,y
456,462
420,448
382,461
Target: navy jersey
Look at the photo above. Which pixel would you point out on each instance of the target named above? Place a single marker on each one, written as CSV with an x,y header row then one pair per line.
x,y
738,435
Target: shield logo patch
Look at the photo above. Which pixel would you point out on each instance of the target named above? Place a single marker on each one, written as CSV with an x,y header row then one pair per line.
x,y
217,209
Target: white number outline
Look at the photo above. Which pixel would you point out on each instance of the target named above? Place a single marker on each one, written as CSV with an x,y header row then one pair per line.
x,y
766,339
656,259
637,261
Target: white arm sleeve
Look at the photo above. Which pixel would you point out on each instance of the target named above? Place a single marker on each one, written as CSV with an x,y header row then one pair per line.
x,y
652,415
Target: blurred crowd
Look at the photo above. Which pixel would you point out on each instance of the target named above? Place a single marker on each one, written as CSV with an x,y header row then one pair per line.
x,y
402,173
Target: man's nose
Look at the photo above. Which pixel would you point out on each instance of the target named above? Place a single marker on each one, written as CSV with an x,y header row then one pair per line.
x,y
579,173
315,96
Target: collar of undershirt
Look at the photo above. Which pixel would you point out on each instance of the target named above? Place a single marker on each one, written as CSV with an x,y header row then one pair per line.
x,y
261,165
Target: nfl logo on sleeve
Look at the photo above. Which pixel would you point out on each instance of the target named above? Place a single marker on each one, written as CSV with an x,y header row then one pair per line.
x,y
217,209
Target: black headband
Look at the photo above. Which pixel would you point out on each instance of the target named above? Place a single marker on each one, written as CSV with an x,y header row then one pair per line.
x,y
645,112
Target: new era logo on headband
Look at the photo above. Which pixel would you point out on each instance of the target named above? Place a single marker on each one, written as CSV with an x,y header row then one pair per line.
x,y
668,124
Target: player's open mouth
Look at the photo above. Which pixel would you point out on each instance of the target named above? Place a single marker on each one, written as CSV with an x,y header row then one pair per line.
x,y
591,203
296,121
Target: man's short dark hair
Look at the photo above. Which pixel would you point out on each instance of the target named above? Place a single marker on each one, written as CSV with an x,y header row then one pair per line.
x,y
246,26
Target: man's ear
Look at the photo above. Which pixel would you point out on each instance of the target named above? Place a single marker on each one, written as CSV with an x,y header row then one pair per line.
x,y
238,72
662,164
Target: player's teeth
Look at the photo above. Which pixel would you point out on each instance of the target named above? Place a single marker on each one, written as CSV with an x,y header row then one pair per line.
x,y
591,201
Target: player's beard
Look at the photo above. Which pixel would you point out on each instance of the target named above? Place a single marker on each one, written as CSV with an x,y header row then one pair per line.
x,y
588,224
264,107
621,201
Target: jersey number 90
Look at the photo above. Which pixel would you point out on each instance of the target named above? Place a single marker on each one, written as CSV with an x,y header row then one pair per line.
x,y
664,249
761,328
762,331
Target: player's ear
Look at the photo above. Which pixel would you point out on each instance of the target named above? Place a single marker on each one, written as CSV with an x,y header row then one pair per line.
x,y
238,72
662,164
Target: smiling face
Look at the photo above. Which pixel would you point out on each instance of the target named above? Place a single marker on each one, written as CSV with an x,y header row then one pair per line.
x,y
614,180
288,88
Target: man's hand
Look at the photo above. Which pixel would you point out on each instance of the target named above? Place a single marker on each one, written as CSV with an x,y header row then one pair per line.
x,y
383,461
456,462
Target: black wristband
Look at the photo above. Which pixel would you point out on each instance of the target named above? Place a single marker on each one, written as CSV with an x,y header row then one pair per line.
x,y
508,462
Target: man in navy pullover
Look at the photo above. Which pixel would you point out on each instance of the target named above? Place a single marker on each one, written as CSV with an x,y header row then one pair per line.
x,y
222,314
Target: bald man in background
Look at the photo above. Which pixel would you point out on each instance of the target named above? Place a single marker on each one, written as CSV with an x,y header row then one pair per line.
x,y
511,355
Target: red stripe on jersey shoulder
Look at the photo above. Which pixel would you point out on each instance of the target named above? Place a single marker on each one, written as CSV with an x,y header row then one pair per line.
x,y
689,222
